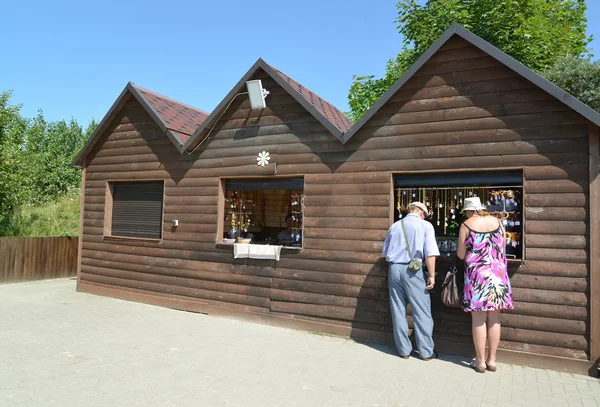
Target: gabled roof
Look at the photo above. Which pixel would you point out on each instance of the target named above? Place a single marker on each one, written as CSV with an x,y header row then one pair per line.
x,y
456,29
182,119
177,120
329,116
325,108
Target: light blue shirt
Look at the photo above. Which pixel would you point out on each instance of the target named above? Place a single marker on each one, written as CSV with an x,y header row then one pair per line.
x,y
421,236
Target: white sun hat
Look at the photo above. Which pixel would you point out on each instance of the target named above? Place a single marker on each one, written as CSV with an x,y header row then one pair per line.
x,y
472,204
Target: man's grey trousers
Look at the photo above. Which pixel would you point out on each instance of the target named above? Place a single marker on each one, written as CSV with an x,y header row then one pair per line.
x,y
408,287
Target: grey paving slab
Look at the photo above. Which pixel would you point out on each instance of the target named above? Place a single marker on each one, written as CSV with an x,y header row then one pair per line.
x,y
63,348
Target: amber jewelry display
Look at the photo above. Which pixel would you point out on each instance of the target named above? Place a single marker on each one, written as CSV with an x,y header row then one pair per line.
x,y
239,209
445,203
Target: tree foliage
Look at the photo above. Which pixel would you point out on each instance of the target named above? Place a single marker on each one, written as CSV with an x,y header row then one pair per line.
x,y
535,32
35,157
578,76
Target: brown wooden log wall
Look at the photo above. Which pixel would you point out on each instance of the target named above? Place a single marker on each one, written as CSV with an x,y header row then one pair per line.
x,y
37,258
462,110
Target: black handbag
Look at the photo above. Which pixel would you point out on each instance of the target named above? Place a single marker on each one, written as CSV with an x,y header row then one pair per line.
x,y
450,294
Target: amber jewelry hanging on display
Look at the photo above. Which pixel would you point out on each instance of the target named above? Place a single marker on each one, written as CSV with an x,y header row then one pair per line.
x,y
445,212
402,201
297,210
239,208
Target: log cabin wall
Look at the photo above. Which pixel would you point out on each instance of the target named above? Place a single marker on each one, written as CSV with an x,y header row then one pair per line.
x,y
465,110
462,110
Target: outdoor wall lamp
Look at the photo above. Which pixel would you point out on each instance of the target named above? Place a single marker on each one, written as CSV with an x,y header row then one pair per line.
x,y
257,94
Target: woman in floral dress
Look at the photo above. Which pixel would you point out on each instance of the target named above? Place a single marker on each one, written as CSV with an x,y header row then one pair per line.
x,y
487,288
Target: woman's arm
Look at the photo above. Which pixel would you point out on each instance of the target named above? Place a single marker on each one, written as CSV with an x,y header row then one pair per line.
x,y
462,236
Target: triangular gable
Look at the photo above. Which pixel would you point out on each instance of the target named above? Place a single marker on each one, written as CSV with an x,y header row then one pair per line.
x,y
177,120
492,51
330,117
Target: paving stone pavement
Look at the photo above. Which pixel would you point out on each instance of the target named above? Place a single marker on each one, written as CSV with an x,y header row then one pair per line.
x,y
63,348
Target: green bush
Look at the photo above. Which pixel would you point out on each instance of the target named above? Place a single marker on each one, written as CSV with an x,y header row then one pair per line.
x,y
39,190
578,76
54,218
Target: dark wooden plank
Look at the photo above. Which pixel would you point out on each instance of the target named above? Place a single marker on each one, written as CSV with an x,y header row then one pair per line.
x,y
556,227
331,278
558,255
223,276
594,177
348,189
352,223
557,242
332,312
559,213
556,186
365,246
178,280
554,200
468,111
534,282
550,297
452,163
572,313
347,200
177,290
357,178
506,86
347,234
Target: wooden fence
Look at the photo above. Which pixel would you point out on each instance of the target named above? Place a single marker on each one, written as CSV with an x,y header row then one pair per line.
x,y
37,258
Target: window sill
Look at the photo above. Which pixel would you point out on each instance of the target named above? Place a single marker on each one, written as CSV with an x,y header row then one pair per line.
x,y
289,249
133,239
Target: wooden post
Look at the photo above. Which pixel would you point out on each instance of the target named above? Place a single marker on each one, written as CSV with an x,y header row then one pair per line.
x,y
81,212
108,208
221,210
594,242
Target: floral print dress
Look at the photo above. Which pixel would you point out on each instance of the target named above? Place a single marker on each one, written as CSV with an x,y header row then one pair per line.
x,y
487,287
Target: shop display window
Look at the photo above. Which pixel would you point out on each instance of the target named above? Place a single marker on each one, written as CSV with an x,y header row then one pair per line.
x,y
264,211
443,194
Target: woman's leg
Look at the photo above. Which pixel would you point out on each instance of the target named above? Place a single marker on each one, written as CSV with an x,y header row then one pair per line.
x,y
479,336
493,335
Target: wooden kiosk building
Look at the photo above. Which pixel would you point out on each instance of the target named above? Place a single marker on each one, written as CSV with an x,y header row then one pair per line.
x,y
165,185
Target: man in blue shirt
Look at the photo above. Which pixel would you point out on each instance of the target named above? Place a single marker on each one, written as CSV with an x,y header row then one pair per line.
x,y
407,286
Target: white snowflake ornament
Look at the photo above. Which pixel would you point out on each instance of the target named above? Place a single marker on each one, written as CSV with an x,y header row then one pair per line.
x,y
263,158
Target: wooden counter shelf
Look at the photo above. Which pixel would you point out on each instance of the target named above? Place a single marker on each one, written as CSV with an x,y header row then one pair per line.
x,y
221,245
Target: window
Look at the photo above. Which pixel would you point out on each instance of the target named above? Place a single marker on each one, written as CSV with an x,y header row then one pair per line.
x,y
501,192
134,209
263,211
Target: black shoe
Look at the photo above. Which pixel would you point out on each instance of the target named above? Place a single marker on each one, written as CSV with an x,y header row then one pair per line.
x,y
433,356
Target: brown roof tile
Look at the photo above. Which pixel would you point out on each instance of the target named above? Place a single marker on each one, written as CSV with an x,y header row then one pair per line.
x,y
329,111
182,119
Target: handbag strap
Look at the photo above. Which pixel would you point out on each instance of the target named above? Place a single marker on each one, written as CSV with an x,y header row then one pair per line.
x,y
406,238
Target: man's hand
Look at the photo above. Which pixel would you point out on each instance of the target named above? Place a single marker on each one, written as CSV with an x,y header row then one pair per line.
x,y
430,283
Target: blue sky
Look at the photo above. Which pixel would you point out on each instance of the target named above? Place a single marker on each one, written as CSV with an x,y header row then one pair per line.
x,y
73,58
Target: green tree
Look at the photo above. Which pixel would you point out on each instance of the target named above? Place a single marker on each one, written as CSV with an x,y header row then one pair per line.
x,y
51,147
13,160
535,32
36,156
578,76
35,171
